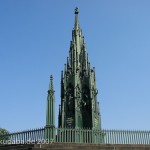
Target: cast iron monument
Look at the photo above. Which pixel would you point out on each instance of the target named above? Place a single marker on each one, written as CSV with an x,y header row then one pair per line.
x,y
79,119
79,107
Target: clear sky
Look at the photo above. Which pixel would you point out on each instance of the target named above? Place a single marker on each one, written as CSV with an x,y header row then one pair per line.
x,y
34,43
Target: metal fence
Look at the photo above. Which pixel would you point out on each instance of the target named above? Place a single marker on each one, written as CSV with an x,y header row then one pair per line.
x,y
24,137
126,137
78,136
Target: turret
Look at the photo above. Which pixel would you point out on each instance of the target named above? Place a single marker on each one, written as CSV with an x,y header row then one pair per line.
x,y
50,112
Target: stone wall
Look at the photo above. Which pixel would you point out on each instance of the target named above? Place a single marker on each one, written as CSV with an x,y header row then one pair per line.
x,y
75,146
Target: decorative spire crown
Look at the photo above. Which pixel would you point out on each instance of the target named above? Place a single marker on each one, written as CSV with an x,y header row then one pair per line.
x,y
76,25
51,83
76,11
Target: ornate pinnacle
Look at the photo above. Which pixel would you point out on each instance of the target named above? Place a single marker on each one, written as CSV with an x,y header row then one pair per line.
x,y
51,77
76,11
51,84
76,25
51,80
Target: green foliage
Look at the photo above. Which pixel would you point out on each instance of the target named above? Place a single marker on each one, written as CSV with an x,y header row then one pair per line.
x,y
3,134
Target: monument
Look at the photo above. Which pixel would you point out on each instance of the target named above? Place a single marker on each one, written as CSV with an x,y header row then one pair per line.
x,y
79,120
79,108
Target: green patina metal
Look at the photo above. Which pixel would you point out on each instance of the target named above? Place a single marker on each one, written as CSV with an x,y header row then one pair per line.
x,y
79,136
50,112
79,106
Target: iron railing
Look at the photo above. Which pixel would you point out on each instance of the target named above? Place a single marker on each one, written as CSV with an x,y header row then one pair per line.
x,y
24,137
126,137
78,136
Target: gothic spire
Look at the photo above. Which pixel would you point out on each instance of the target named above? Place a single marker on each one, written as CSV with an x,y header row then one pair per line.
x,y
50,111
78,107
50,104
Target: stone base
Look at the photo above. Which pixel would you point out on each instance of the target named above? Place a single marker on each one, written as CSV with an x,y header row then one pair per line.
x,y
75,146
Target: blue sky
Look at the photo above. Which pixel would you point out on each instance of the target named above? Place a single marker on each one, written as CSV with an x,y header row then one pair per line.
x,y
34,43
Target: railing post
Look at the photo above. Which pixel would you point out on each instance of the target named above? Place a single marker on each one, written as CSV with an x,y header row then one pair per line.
x,y
50,133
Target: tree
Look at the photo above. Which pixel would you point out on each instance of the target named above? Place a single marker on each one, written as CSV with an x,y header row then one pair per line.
x,y
3,134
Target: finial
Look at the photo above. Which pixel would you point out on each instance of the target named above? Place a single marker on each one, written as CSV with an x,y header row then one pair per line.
x,y
65,68
76,11
51,77
62,74
51,83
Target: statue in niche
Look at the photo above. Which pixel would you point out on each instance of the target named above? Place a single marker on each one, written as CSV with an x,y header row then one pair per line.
x,y
78,97
70,98
86,99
